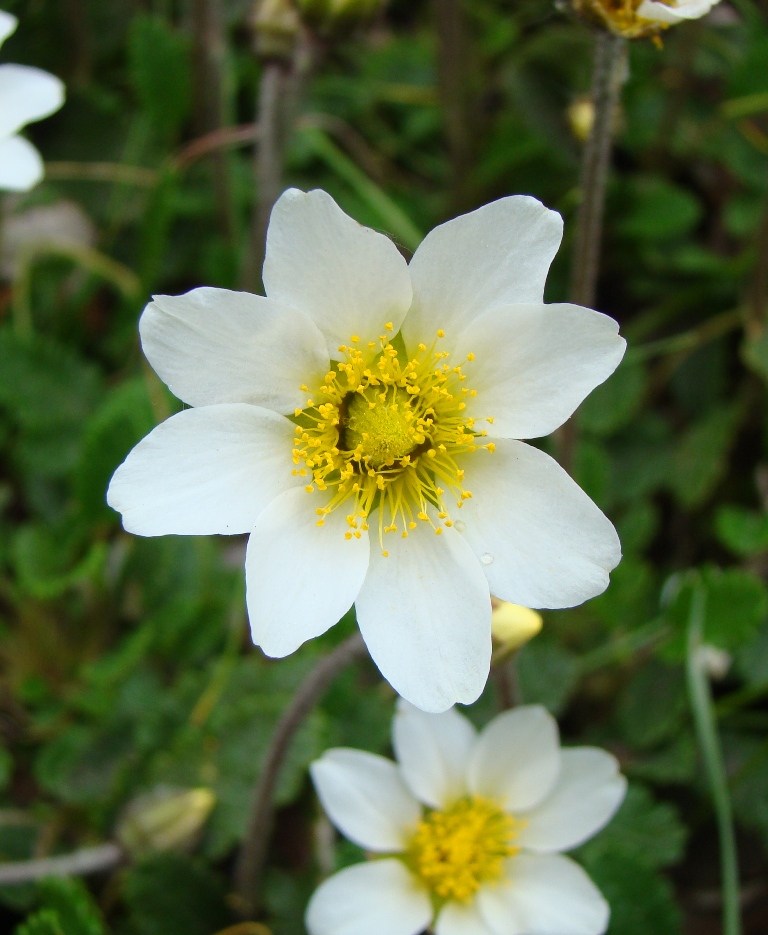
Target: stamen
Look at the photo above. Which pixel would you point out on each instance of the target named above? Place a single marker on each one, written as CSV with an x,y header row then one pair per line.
x,y
384,433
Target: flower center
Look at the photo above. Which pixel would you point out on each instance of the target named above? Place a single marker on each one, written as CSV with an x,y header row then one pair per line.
x,y
383,433
457,850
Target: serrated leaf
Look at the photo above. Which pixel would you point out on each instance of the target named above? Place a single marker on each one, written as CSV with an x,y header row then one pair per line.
x,y
642,901
700,459
643,830
653,705
736,605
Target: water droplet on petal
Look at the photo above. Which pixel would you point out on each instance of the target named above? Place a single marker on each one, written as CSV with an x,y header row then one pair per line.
x,y
459,525
486,558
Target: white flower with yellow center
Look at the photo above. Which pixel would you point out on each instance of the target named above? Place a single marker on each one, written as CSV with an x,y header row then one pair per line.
x,y
634,19
361,423
467,830
26,94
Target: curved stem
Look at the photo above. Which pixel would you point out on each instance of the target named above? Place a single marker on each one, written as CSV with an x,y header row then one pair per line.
x,y
709,741
253,854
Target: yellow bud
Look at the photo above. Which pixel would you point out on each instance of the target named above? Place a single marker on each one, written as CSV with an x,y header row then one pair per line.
x,y
581,117
164,820
276,24
513,625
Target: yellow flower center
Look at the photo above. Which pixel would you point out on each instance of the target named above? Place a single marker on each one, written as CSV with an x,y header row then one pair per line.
x,y
383,432
457,850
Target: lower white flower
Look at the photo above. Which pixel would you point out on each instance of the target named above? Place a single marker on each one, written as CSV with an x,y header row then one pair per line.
x,y
470,829
26,94
674,11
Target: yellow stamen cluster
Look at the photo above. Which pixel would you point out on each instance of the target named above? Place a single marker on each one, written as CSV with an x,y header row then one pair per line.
x,y
383,433
457,850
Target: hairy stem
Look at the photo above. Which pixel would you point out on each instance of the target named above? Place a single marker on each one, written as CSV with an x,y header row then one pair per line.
x,y
253,853
709,742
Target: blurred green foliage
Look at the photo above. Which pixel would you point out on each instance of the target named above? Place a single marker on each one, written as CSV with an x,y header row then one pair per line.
x,y
125,664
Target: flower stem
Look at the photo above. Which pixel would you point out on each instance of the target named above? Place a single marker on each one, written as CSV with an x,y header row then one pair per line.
x,y
709,742
608,76
253,853
87,860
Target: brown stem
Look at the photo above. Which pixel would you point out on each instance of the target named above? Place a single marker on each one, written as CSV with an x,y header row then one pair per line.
x,y
79,863
209,56
268,163
608,76
758,304
455,95
253,853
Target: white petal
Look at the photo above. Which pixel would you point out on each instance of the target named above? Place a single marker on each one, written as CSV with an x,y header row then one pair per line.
x,y
425,615
348,278
26,94
204,471
516,759
497,255
216,346
534,364
21,167
301,578
587,793
8,24
432,750
542,541
366,798
457,919
376,898
685,9
544,895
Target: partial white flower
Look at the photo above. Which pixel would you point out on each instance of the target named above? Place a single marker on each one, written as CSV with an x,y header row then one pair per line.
x,y
361,422
470,829
674,11
26,95
634,19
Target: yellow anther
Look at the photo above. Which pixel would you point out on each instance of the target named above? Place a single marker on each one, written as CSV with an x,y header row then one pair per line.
x,y
388,326
470,356
440,333
355,338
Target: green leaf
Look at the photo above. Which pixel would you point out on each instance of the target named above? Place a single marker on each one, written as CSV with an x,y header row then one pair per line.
x,y
613,404
547,674
700,459
744,532
49,562
642,901
43,922
737,604
73,904
121,421
654,705
170,894
657,209
161,73
643,830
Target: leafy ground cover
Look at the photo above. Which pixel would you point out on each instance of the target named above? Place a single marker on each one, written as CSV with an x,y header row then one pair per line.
x,y
125,663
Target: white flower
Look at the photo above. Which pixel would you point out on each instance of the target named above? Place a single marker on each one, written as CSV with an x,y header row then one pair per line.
x,y
674,11
26,94
470,829
361,423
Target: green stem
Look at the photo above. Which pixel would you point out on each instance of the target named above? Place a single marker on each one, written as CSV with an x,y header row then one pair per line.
x,y
709,742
